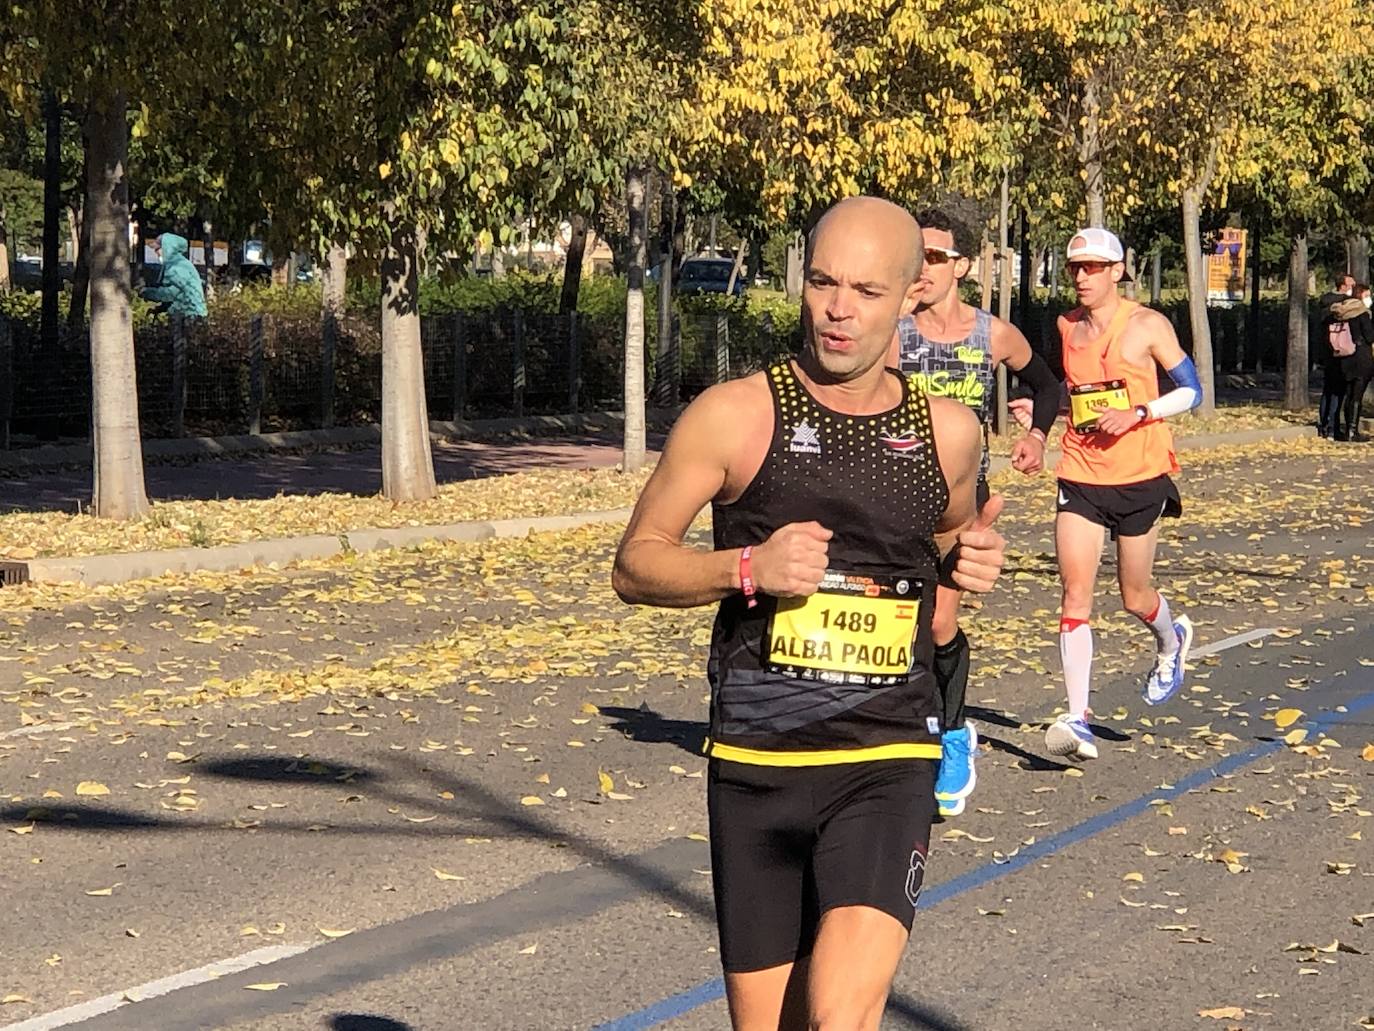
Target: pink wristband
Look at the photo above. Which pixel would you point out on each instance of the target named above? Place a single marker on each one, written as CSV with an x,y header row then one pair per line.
x,y
746,576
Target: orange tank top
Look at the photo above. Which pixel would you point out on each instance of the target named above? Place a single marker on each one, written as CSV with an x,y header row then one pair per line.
x,y
1139,454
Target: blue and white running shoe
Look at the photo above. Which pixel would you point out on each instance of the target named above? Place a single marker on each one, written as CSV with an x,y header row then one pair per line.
x,y
957,776
1069,735
1166,679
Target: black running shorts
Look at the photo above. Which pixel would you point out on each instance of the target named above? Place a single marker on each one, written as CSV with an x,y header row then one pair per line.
x,y
790,843
1126,510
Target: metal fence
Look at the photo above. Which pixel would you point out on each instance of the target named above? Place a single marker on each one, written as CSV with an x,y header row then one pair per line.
x,y
271,373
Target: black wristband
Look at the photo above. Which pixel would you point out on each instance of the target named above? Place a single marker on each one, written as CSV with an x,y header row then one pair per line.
x,y
947,565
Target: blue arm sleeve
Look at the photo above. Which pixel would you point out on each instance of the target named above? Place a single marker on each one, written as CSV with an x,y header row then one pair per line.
x,y
1186,395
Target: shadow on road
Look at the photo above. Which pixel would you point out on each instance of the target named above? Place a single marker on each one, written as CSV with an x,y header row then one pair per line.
x,y
365,1022
651,727
903,1011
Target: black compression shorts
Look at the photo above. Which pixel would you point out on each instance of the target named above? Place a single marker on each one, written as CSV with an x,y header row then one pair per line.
x,y
1126,510
790,843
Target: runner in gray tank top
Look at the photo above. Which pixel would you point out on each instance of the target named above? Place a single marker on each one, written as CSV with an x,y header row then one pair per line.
x,y
952,349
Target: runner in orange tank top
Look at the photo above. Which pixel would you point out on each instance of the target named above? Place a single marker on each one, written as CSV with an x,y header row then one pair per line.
x,y
1114,474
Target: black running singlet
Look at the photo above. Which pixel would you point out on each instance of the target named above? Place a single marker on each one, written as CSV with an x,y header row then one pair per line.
x,y
843,675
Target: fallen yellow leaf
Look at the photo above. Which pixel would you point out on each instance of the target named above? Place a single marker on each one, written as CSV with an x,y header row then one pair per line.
x,y
444,875
1223,1013
266,986
329,933
1285,718
531,800
92,789
604,780
1295,737
1368,754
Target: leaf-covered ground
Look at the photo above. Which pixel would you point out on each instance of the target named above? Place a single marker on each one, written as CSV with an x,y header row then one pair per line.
x,y
374,736
203,524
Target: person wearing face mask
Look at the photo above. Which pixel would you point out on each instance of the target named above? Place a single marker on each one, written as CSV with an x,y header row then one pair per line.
x,y
1357,368
951,349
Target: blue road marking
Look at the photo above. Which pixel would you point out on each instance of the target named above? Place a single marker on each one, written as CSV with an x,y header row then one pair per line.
x,y
709,991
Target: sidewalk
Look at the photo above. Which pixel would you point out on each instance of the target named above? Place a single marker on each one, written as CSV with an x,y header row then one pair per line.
x,y
356,470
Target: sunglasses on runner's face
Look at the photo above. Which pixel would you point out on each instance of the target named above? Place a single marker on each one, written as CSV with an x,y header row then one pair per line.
x,y
940,255
1092,268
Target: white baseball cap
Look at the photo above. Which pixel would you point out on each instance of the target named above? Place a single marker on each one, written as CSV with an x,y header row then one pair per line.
x,y
1096,243
1101,244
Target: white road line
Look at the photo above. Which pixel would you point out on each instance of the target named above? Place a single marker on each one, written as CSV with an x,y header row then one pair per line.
x,y
186,979
39,728
1221,646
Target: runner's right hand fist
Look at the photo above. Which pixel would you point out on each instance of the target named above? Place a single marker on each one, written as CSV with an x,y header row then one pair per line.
x,y
792,562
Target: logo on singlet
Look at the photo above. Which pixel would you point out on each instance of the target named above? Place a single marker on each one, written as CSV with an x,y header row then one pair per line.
x,y
967,388
907,444
915,876
806,439
970,355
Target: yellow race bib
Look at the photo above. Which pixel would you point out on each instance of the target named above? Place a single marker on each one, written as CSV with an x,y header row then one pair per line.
x,y
853,630
1089,400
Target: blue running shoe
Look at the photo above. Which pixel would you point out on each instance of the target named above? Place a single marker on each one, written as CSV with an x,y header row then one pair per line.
x,y
1166,679
1071,736
958,774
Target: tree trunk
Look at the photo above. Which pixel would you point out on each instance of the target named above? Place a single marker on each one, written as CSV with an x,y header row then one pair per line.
x,y
1000,422
735,268
986,273
666,374
52,260
1295,375
498,262
572,265
81,274
333,290
1253,343
795,270
119,491
636,256
407,463
1357,257
1197,299
1156,275
1023,287
1090,154
1133,272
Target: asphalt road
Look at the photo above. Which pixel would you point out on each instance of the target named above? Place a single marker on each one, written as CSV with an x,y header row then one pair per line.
x,y
481,767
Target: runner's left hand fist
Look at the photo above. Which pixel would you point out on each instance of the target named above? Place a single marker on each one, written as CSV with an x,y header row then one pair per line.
x,y
1114,422
981,551
1028,456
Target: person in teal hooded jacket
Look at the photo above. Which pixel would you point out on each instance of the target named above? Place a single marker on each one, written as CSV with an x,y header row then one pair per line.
x,y
179,290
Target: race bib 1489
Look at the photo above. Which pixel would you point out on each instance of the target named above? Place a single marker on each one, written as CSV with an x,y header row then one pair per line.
x,y
855,630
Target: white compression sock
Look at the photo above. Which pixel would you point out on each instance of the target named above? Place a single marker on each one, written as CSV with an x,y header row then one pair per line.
x,y
1161,624
1076,653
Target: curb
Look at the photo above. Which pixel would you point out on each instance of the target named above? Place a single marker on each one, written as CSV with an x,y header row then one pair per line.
x,y
63,456
1205,442
93,570
118,568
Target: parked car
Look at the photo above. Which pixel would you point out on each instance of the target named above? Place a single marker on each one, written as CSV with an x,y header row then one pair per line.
x,y
710,276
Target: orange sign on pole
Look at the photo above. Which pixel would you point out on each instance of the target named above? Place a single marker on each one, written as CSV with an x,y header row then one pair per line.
x,y
1226,268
